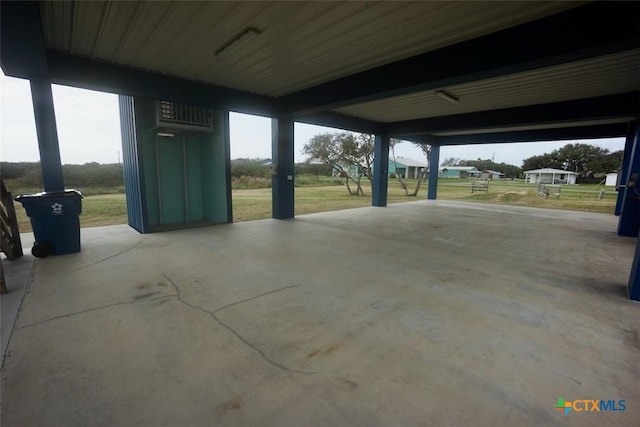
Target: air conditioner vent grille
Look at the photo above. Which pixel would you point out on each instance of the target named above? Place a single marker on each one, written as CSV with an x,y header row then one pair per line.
x,y
172,115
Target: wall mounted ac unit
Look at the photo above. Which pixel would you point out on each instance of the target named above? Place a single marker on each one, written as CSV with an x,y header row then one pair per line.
x,y
174,116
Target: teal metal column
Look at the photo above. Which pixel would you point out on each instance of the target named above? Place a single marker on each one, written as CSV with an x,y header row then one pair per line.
x,y
380,171
433,172
633,287
283,168
629,222
227,163
626,159
47,132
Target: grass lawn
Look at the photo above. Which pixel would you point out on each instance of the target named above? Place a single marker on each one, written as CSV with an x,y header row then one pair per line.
x,y
252,204
583,197
105,209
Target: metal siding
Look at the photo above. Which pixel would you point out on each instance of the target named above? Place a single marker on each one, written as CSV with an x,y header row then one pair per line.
x,y
432,188
171,181
302,43
629,220
214,172
193,177
131,165
380,183
227,162
611,74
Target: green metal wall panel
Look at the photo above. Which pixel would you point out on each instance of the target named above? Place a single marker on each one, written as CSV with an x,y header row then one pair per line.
x,y
171,180
193,148
149,171
213,172
182,175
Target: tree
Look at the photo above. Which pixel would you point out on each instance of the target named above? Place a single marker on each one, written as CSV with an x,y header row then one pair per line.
x,y
426,150
260,168
509,171
606,163
349,154
584,159
547,160
451,161
576,157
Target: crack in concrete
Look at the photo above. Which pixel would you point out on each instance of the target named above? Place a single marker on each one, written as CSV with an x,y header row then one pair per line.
x,y
107,258
182,301
27,290
89,310
255,297
233,331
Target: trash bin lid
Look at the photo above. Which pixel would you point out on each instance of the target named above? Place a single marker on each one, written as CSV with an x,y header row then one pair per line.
x,y
50,194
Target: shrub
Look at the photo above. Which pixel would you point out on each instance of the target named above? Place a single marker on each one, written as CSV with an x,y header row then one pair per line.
x,y
247,182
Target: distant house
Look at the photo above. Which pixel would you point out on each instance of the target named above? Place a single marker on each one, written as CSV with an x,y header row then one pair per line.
x,y
550,176
406,168
458,172
490,175
611,180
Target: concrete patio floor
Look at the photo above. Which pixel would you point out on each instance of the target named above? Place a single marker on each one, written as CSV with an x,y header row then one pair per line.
x,y
424,313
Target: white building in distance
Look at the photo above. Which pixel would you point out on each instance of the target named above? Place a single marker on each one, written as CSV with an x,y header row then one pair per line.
x,y
550,176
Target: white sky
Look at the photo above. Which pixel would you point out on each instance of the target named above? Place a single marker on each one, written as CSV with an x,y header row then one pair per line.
x,y
89,131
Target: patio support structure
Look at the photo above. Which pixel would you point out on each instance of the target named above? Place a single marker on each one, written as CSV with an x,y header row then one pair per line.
x,y
227,163
380,170
629,222
47,132
629,203
282,184
434,161
21,20
633,287
625,166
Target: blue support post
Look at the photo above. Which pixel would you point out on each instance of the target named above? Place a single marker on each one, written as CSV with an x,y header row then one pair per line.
x,y
27,52
432,192
227,164
132,166
282,184
633,287
380,171
626,159
629,222
47,132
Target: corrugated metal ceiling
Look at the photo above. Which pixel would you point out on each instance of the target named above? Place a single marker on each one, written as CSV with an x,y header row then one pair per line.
x,y
611,74
302,43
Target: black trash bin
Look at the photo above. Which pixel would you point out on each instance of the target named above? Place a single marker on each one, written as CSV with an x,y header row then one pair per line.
x,y
55,219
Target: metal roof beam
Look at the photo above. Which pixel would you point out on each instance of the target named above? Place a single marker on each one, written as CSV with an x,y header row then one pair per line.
x,y
584,32
88,74
343,121
22,51
600,108
84,73
557,134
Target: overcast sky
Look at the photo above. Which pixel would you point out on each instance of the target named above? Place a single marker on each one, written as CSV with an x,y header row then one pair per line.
x,y
89,131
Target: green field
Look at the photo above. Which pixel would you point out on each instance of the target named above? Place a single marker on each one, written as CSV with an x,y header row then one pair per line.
x,y
252,204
